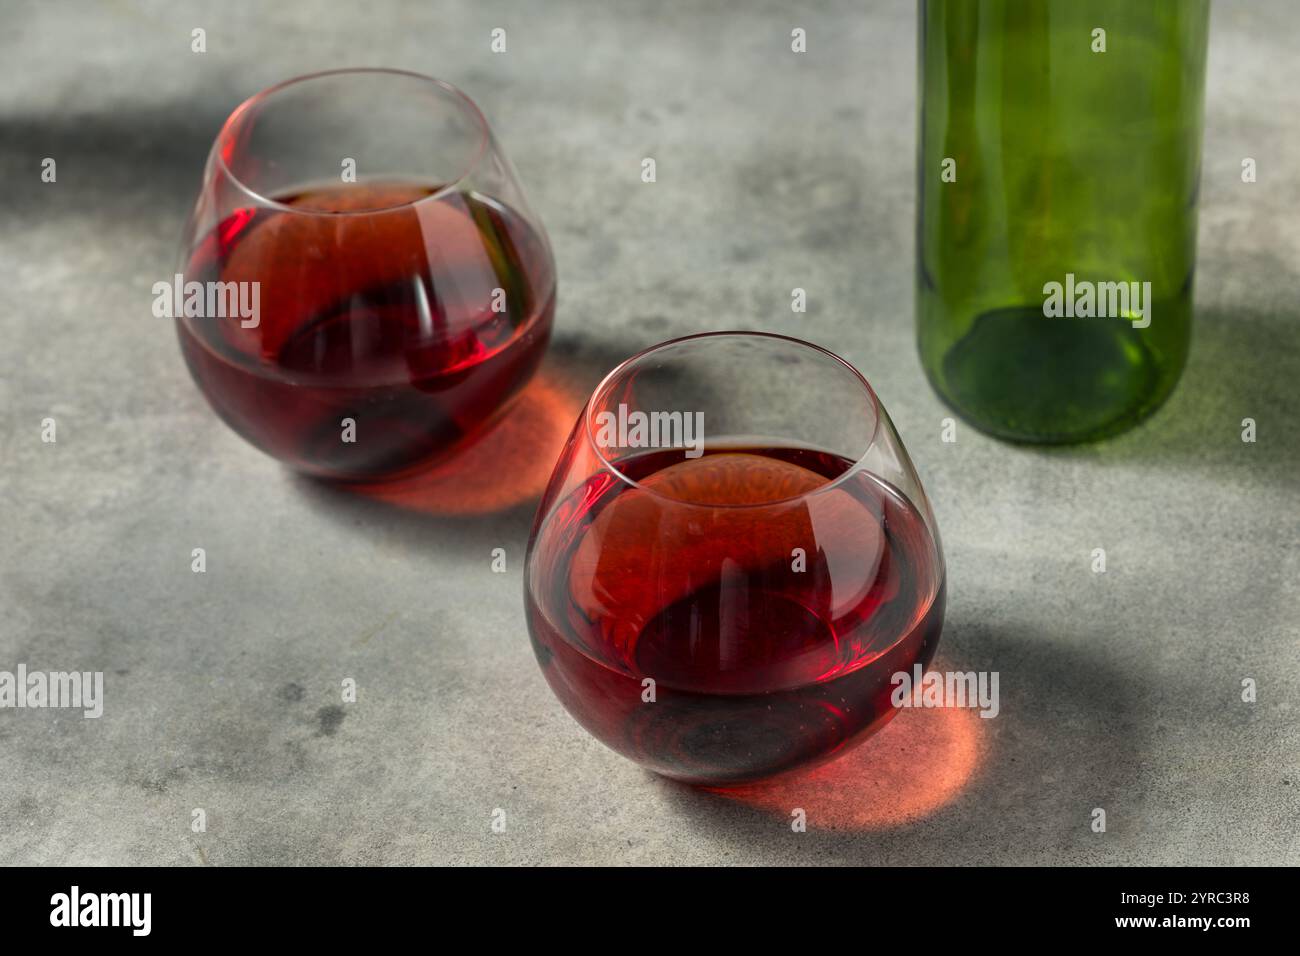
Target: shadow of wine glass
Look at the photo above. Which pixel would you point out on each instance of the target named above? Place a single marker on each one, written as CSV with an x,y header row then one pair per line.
x,y
505,466
946,785
485,492
912,767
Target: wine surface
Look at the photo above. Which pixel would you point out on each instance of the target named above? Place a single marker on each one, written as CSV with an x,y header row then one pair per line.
x,y
416,321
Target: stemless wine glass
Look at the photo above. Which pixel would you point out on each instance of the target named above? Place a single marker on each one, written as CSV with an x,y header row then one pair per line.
x,y
732,560
362,282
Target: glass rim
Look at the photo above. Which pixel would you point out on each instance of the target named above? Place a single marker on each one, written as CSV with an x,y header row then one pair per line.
x,y
263,96
858,464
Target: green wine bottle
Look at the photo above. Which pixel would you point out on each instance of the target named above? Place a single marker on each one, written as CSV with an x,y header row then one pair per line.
x,y
1060,145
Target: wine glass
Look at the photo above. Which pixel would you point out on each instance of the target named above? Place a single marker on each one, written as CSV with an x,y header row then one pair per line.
x,y
733,559
362,284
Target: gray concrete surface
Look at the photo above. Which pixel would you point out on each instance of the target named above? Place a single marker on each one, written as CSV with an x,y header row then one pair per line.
x,y
1119,691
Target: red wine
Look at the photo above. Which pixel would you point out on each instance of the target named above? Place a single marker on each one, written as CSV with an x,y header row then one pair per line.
x,y
377,308
761,661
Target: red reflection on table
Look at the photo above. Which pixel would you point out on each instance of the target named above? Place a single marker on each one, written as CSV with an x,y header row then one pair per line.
x,y
916,765
508,465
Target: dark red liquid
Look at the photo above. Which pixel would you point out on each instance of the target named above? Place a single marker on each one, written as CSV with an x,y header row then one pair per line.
x,y
758,667
373,310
